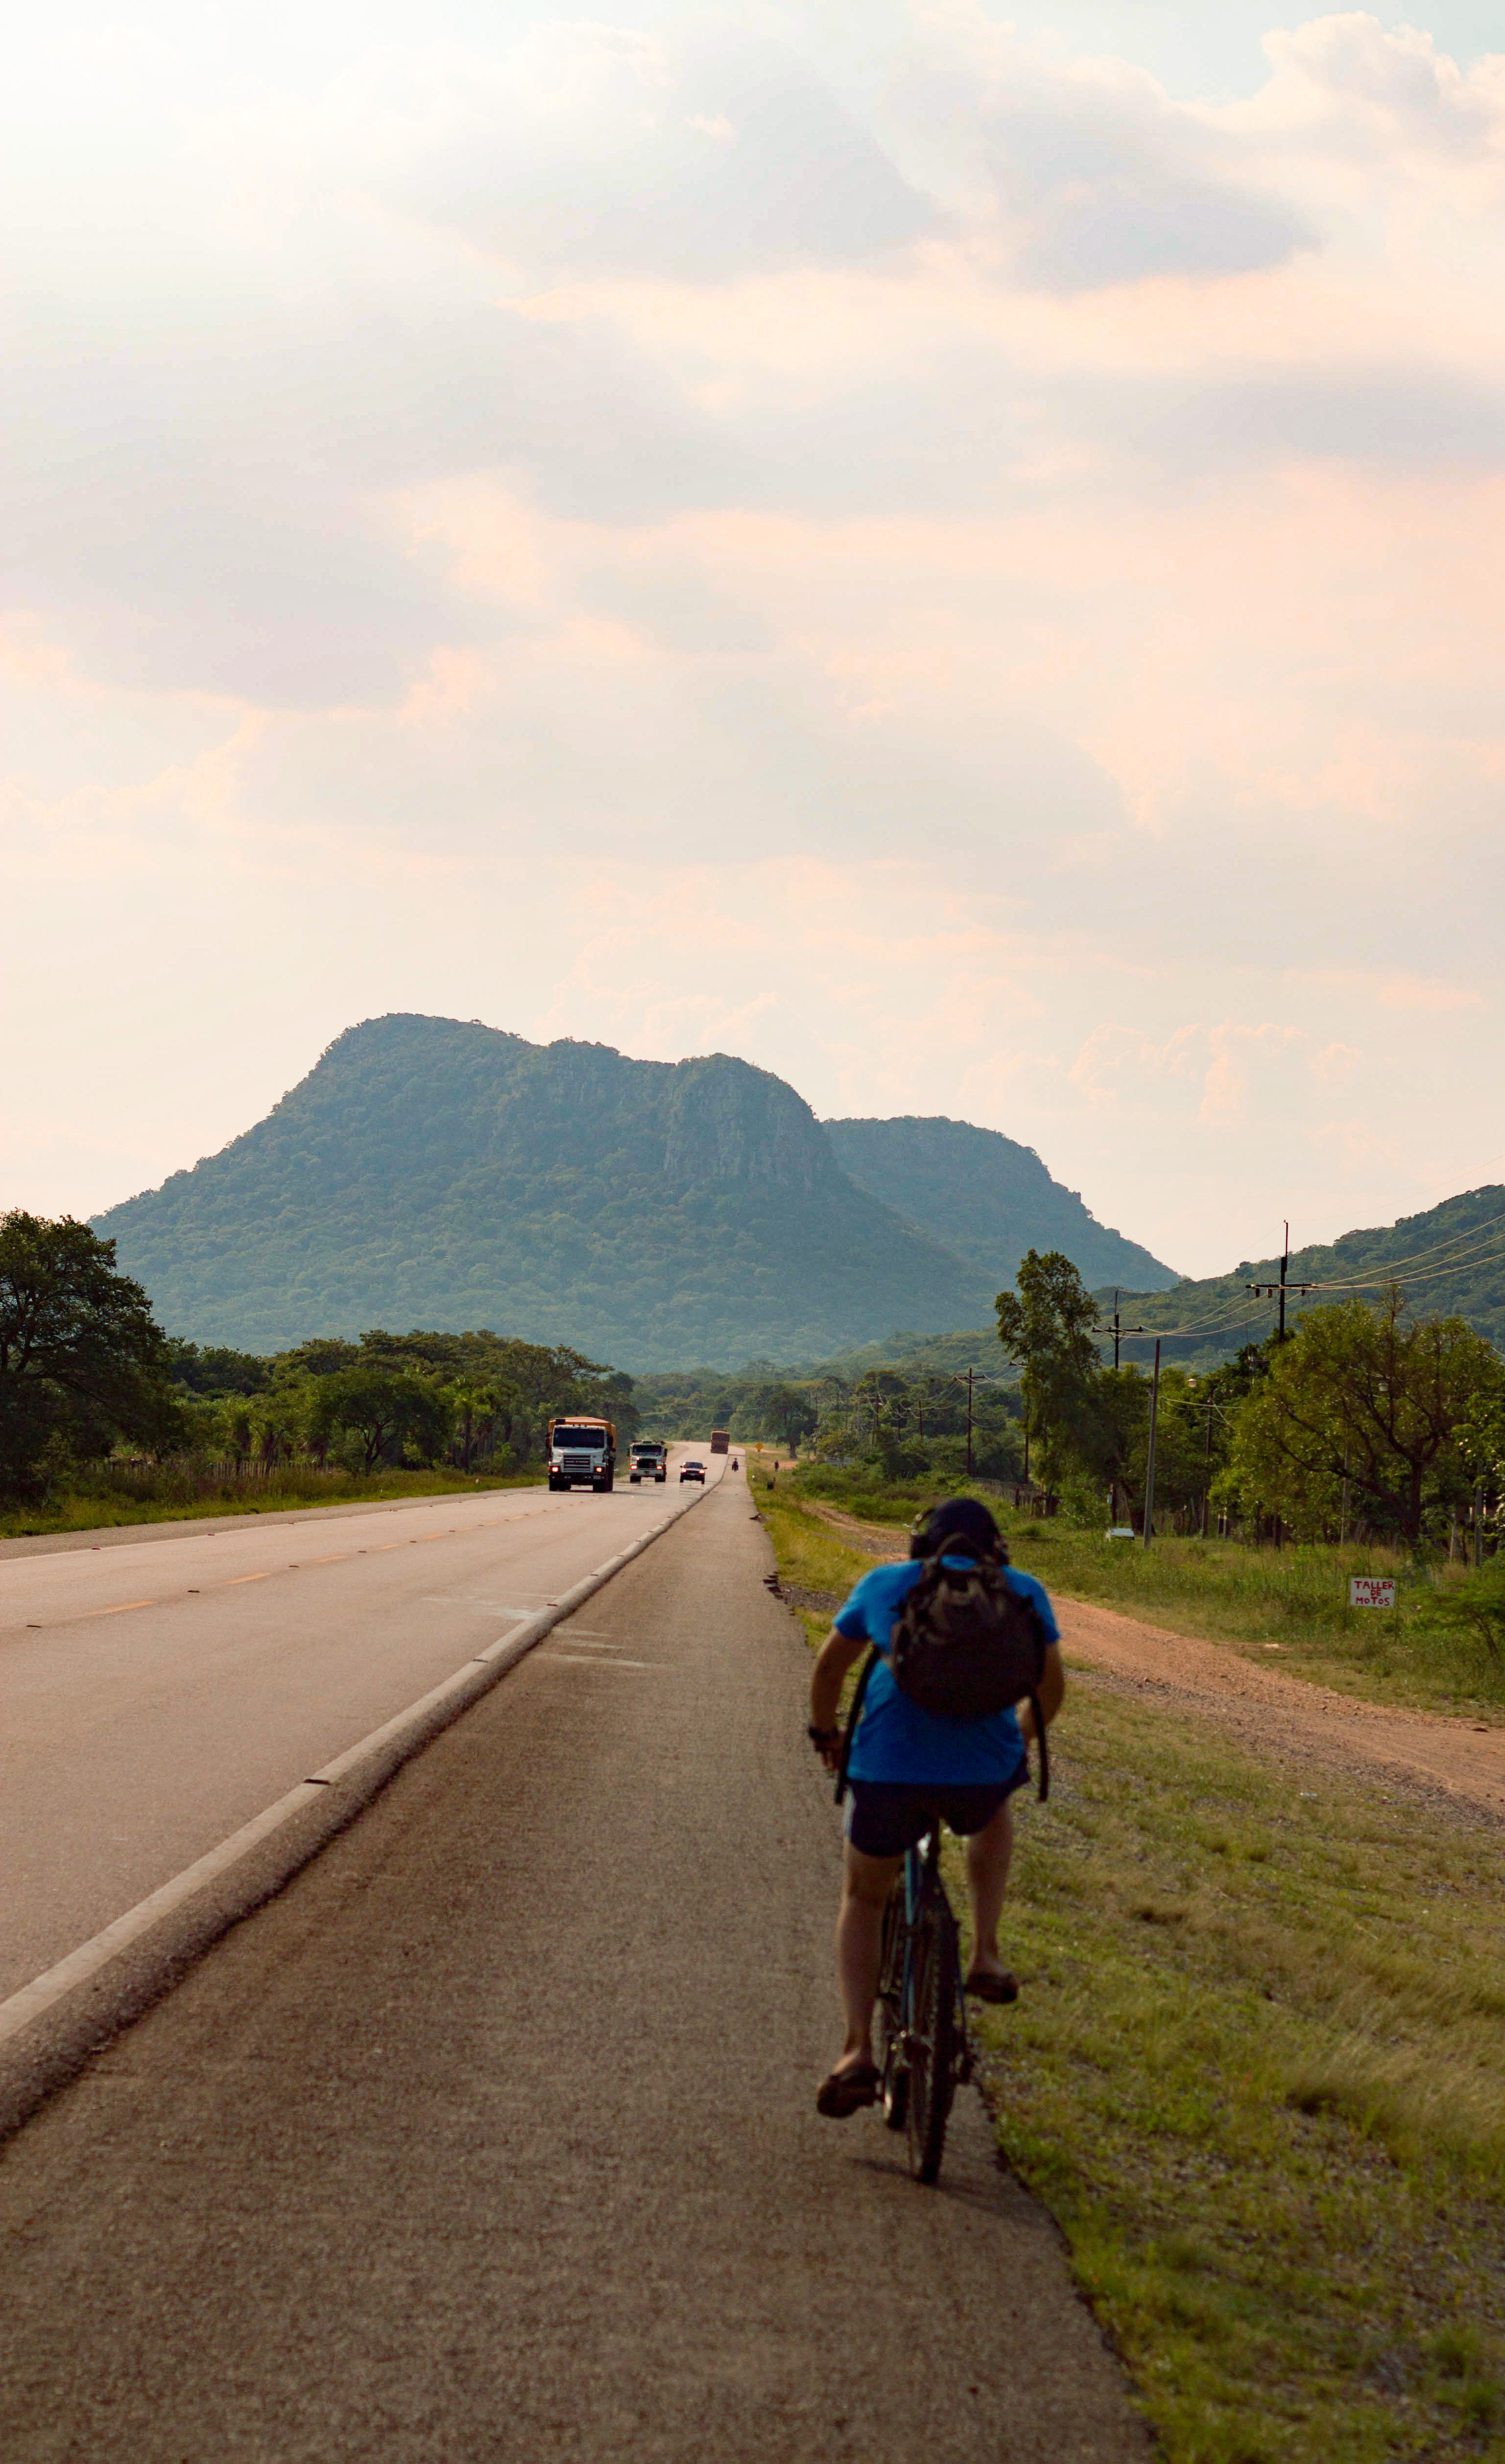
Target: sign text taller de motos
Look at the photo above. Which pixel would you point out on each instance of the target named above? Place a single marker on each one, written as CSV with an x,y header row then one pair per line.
x,y
1371,1591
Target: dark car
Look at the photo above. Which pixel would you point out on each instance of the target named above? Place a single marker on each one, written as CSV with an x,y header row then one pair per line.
x,y
693,1471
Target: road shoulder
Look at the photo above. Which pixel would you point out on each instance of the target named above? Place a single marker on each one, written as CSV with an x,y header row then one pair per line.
x,y
494,2133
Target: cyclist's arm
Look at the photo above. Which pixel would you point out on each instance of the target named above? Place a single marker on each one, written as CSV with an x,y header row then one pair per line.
x,y
838,1654
1053,1687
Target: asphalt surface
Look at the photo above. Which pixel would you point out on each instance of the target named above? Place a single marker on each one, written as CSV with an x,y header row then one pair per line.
x,y
493,2135
158,1693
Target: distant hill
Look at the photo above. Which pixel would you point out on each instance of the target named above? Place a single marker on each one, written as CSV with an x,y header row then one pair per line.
x,y
432,1174
1448,1261
986,1198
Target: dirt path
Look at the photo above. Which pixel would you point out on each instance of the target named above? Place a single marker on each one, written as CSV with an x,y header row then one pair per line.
x,y
1263,1707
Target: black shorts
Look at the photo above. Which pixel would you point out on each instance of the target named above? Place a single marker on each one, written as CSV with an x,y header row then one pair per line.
x,y
884,1817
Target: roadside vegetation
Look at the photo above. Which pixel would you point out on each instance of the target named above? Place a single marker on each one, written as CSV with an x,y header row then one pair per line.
x,y
1370,1441
1257,2072
105,1419
1364,1424
1442,1648
1257,2066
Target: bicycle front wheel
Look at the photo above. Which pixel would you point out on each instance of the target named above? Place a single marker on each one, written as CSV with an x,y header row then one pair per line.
x,y
932,2042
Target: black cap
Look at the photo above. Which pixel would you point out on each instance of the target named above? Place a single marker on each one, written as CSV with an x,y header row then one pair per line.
x,y
963,1519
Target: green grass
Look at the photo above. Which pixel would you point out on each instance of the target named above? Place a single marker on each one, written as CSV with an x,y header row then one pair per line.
x,y
1295,1598
108,1509
1257,2071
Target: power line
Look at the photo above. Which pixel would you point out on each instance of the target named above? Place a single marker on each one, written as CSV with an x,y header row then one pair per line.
x,y
1472,1248
1483,1254
1269,1292
1439,1249
1117,1331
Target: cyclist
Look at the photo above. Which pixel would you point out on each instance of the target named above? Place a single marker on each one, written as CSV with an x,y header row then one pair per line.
x,y
906,1766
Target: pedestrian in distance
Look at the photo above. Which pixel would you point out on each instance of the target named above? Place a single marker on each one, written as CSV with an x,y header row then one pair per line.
x,y
908,1765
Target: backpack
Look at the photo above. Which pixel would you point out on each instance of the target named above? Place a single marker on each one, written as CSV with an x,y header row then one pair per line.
x,y
966,1645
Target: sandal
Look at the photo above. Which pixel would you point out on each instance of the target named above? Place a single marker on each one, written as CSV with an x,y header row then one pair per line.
x,y
986,1987
847,2091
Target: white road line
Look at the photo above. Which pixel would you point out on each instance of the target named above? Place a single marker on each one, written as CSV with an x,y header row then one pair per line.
x,y
569,1660
49,2028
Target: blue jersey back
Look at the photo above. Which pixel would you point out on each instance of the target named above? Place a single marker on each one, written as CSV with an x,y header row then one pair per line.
x,y
895,1740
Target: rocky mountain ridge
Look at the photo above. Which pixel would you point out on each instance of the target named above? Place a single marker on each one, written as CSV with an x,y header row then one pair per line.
x,y
435,1174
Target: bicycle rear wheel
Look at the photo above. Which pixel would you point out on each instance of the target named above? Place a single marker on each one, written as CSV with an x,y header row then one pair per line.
x,y
932,2040
892,2062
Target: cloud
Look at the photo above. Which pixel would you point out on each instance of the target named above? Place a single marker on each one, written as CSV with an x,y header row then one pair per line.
x,y
1124,187
211,509
1384,82
1100,177
913,545
1397,419
694,158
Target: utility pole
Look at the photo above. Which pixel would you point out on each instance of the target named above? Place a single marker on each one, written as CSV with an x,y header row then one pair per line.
x,y
1117,1331
1274,1291
1149,1468
1206,1476
969,1376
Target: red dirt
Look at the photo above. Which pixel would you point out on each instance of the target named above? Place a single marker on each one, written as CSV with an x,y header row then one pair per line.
x,y
1266,1707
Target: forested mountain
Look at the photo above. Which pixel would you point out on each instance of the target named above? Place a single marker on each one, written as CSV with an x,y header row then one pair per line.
x,y
986,1198
428,1172
1449,1261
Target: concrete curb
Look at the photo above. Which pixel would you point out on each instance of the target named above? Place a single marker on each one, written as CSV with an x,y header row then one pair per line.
x,y
50,2028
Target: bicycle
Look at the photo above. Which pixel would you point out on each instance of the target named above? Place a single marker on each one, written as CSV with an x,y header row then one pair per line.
x,y
924,2053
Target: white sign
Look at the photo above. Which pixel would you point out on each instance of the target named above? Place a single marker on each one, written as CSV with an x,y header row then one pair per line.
x,y
1371,1591
1121,1531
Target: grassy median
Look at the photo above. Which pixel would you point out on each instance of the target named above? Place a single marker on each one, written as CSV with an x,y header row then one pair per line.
x,y
1257,2072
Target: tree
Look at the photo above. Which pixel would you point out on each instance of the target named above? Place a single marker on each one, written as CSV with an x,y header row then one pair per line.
x,y
1044,1325
790,1410
82,1360
880,1404
381,1409
1113,1435
486,1404
215,1369
1369,1397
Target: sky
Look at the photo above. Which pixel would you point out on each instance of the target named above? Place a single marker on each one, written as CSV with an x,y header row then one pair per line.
x,y
955,554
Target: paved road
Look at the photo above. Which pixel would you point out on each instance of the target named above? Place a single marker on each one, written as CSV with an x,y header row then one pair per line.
x,y
493,2136
157,1693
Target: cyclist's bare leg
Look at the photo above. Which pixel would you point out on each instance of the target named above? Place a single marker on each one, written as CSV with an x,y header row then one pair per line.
x,y
865,1885
988,1855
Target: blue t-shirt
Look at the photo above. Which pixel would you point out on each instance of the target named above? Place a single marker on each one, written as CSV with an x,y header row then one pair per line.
x,y
895,1740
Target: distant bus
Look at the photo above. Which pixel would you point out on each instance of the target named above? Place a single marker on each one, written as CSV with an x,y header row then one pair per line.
x,y
720,1441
